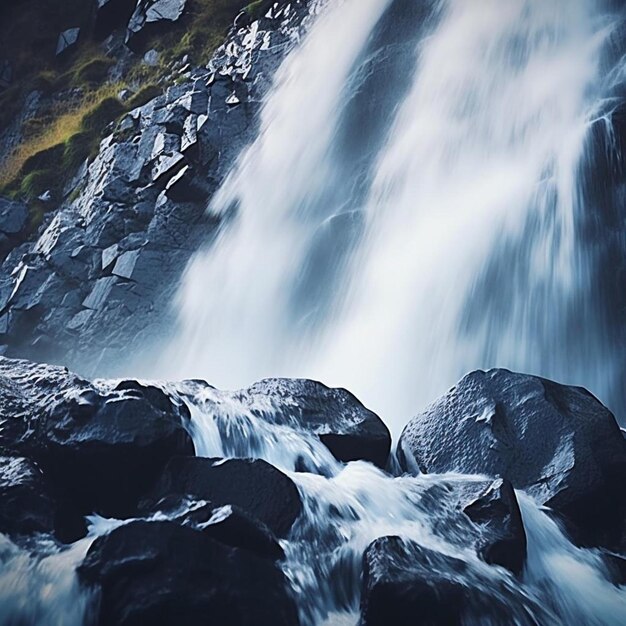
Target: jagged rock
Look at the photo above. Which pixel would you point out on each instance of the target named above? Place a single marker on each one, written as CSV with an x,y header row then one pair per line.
x,y
405,584
67,40
116,195
183,187
558,443
101,446
348,429
255,486
163,573
26,504
125,264
504,539
227,524
149,13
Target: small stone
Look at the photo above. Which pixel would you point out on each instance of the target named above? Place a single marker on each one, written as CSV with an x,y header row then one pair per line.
x,y
151,58
67,40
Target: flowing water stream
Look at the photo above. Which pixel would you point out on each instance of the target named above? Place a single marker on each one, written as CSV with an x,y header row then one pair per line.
x,y
410,209
408,212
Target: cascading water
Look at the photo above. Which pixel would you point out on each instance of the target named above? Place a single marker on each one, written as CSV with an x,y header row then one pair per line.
x,y
409,209
408,212
346,507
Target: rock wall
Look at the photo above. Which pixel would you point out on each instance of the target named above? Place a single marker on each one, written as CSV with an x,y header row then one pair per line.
x,y
98,279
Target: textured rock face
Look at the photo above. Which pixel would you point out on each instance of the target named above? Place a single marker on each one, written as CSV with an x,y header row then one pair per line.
x,y
558,443
100,447
149,13
404,584
141,201
255,486
348,429
26,505
162,573
504,540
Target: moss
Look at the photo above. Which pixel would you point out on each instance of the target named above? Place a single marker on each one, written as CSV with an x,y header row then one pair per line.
x,y
93,72
48,158
143,96
37,182
78,148
106,111
256,9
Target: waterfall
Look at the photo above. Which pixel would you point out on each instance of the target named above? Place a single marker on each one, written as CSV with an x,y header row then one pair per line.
x,y
409,210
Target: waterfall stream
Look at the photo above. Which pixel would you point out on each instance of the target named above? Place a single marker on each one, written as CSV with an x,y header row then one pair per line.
x,y
408,212
410,208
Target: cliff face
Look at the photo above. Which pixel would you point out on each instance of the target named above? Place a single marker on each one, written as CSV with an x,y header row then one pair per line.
x,y
119,224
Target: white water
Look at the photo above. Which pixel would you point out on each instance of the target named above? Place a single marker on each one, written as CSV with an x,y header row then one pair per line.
x,y
476,166
349,506
476,171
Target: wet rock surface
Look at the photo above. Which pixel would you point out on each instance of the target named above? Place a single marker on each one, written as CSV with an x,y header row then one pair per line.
x,y
558,443
169,537
26,504
255,486
163,573
347,428
100,446
504,539
404,583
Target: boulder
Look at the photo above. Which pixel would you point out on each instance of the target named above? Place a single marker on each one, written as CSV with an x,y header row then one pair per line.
x,y
406,584
26,505
503,540
348,429
102,446
558,443
157,573
255,486
67,40
228,524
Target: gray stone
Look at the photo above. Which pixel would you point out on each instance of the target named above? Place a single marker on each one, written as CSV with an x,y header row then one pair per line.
x,y
151,57
125,264
100,292
148,13
109,255
67,40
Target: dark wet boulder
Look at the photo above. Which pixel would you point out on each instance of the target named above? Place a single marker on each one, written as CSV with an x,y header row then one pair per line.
x,y
558,443
26,506
227,524
107,448
406,584
348,429
503,538
161,573
255,486
103,445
